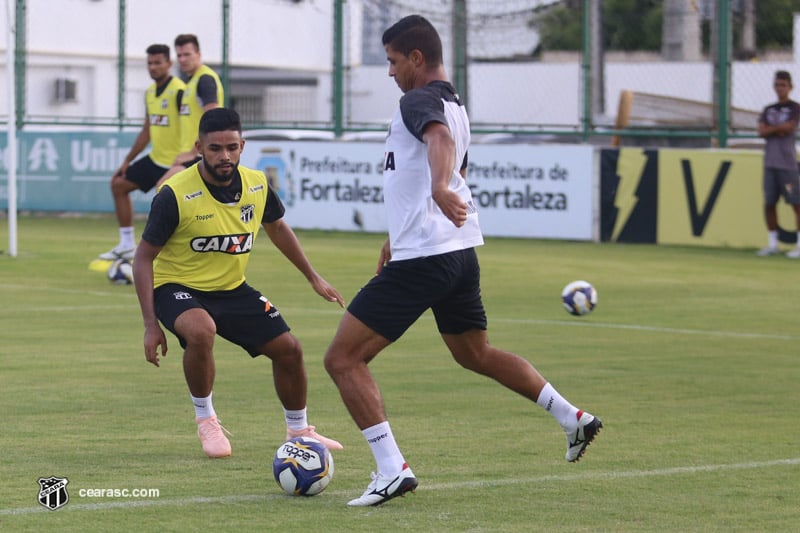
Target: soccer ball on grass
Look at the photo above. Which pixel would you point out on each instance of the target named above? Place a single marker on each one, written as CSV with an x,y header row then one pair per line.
x,y
120,272
303,466
579,298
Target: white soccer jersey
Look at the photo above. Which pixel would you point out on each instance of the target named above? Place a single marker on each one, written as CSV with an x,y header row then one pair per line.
x,y
417,227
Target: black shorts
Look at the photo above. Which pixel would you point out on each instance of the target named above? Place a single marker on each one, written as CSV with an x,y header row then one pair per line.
x,y
145,173
448,284
781,182
243,315
187,164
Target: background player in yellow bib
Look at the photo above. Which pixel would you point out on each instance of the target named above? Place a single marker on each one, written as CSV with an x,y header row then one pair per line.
x,y
189,272
203,92
161,129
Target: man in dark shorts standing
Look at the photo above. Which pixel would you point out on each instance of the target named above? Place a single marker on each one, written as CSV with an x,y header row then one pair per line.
x,y
161,129
428,262
189,272
778,125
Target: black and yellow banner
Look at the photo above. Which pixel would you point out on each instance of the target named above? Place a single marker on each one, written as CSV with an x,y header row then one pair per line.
x,y
695,197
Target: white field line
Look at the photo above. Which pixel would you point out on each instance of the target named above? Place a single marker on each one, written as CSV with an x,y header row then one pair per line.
x,y
655,329
336,311
61,290
344,494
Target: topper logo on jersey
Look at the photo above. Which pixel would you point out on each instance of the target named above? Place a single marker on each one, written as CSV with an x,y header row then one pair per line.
x,y
227,244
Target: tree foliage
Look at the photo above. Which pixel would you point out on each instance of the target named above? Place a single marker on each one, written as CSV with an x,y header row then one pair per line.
x,y
632,25
774,22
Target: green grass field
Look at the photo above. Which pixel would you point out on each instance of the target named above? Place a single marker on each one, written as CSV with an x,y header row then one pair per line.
x,y
691,360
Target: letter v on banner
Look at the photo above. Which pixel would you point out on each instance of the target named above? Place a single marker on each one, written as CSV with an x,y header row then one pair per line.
x,y
698,219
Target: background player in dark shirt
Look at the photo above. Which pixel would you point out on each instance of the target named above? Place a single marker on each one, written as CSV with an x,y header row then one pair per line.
x,y
778,126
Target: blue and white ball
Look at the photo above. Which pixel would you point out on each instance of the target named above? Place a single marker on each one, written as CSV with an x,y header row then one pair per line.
x,y
120,272
303,466
579,298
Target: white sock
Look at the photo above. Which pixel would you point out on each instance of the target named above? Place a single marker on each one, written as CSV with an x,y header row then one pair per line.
x,y
296,420
126,241
387,455
798,240
563,411
203,408
772,238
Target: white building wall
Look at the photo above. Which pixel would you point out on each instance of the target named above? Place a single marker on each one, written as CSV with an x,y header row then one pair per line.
x,y
77,39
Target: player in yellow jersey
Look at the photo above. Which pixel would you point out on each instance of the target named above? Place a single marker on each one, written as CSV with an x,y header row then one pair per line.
x,y
189,272
161,130
203,92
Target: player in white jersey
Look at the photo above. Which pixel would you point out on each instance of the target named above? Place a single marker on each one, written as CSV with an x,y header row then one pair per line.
x,y
428,262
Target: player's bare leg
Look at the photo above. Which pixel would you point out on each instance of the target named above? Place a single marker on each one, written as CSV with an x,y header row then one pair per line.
x,y
291,386
288,370
198,329
353,347
473,351
771,219
795,253
123,207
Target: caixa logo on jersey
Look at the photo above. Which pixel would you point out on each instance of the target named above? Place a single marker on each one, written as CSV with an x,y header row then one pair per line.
x,y
227,244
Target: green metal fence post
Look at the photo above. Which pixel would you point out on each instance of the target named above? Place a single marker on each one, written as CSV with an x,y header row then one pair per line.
x,y
460,49
338,67
225,68
586,71
121,64
20,64
723,71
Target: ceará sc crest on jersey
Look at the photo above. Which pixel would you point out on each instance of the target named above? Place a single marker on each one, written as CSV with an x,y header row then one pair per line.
x,y
246,213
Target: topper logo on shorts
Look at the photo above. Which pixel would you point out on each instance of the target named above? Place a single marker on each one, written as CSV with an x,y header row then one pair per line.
x,y
228,244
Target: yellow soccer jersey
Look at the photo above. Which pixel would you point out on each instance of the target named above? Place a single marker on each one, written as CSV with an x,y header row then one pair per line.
x,y
210,247
192,108
163,113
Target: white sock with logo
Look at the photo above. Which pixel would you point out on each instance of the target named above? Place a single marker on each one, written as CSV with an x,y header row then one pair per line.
x,y
387,455
126,241
563,411
296,420
203,408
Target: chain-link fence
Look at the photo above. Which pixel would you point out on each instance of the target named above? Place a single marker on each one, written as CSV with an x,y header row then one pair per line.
x,y
659,70
569,69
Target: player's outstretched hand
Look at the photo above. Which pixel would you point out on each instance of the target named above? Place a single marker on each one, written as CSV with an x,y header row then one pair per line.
x,y
153,338
326,290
